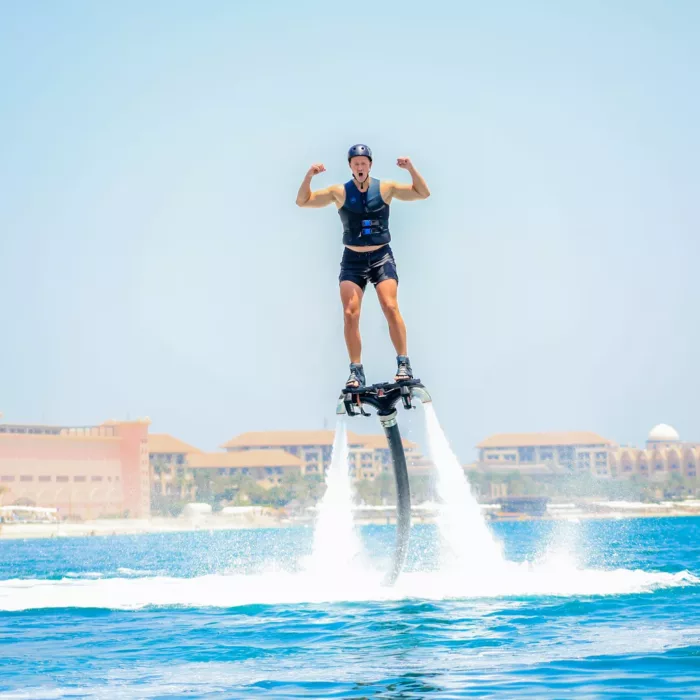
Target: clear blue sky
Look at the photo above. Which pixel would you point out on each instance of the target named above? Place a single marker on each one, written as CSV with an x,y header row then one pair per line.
x,y
152,260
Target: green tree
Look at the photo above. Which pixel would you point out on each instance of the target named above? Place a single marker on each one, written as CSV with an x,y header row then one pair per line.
x,y
181,481
367,492
160,468
676,487
422,489
516,484
316,486
378,491
293,486
204,484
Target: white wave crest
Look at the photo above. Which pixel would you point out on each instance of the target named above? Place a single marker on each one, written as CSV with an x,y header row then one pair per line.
x,y
233,590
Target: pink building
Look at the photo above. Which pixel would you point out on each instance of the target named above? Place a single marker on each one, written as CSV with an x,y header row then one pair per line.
x,y
85,472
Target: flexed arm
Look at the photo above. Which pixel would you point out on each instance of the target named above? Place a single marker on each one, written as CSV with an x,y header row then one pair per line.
x,y
319,198
418,189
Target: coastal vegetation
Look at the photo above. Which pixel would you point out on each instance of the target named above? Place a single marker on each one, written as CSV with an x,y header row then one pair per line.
x,y
296,492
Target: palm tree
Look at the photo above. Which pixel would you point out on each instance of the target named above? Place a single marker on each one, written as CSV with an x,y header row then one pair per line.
x,y
181,481
202,484
160,468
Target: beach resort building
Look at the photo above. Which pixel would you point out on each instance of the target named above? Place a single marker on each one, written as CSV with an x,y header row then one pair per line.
x,y
369,455
267,467
543,454
663,456
266,456
176,466
546,453
169,466
84,472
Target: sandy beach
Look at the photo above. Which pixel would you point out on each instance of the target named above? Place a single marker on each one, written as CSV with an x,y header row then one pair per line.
x,y
111,527
376,515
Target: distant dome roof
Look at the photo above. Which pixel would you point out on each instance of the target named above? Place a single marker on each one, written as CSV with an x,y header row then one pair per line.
x,y
664,433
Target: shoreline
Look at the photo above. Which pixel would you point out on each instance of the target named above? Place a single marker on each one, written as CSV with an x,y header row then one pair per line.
x,y
115,528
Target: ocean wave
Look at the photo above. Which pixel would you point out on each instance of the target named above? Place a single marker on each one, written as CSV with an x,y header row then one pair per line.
x,y
121,571
600,656
234,590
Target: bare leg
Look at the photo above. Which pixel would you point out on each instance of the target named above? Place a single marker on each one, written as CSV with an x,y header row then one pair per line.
x,y
387,292
351,296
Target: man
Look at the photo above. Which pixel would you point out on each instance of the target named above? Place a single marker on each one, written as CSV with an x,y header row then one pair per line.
x,y
363,205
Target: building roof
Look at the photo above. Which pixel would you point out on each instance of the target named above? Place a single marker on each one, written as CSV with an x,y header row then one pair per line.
x,y
299,438
280,438
544,439
378,441
162,443
245,458
663,433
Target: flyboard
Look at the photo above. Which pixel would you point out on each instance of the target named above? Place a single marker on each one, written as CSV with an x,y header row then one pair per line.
x,y
383,398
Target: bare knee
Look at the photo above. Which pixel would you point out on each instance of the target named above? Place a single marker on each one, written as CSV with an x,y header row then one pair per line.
x,y
391,308
351,315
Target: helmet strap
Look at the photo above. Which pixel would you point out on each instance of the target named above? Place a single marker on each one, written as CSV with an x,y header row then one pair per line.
x,y
358,184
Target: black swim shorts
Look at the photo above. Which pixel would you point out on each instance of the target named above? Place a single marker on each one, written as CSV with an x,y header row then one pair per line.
x,y
375,267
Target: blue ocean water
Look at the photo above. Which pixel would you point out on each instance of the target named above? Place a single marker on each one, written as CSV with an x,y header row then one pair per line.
x,y
587,609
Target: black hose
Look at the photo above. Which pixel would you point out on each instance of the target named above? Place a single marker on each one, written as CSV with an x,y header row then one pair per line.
x,y
403,500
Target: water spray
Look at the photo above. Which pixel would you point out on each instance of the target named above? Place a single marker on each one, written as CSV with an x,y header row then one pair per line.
x,y
383,398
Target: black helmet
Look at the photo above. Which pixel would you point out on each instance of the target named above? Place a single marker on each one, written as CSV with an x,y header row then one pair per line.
x,y
360,150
